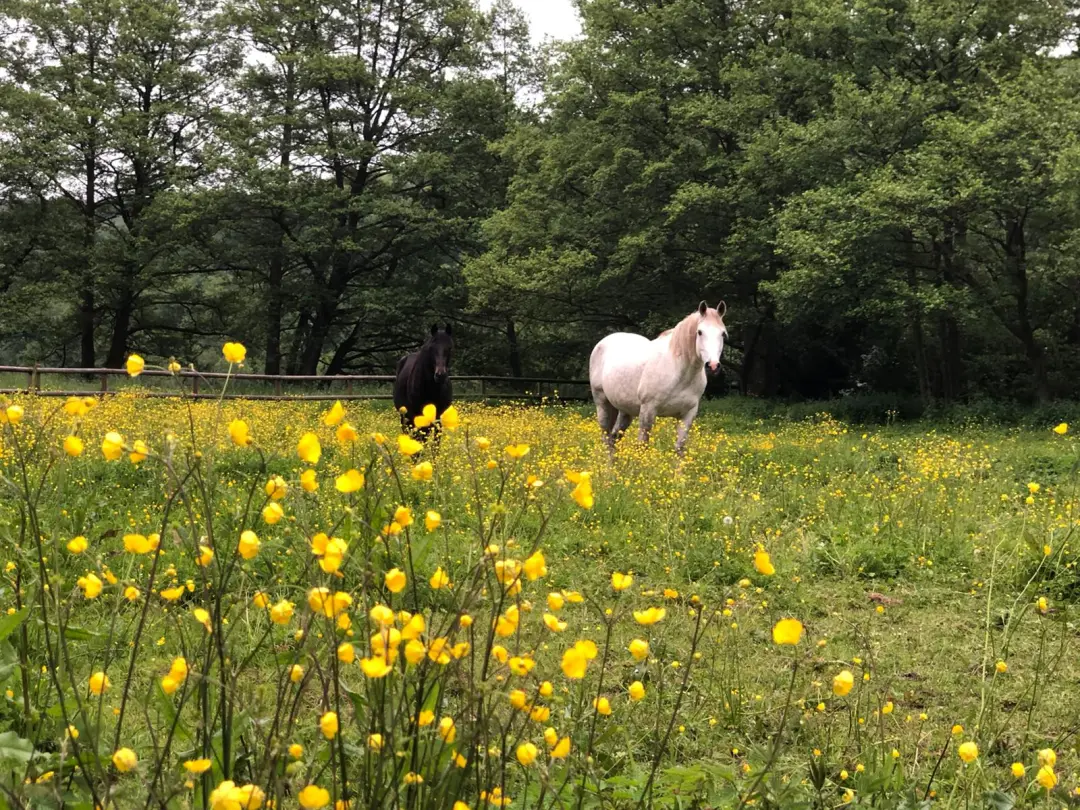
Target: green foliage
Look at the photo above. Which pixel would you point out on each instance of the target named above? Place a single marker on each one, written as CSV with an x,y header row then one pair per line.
x,y
884,193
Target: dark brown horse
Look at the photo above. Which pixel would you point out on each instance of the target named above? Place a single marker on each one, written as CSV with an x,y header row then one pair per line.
x,y
423,378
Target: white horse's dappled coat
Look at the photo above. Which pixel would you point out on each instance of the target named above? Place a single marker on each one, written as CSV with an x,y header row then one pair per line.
x,y
631,375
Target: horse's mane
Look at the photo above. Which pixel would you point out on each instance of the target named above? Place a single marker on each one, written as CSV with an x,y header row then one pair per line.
x,y
684,334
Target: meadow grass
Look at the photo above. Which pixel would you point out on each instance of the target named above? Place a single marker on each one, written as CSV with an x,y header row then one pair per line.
x,y
914,558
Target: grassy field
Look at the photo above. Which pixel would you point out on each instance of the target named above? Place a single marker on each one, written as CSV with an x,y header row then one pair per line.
x,y
915,559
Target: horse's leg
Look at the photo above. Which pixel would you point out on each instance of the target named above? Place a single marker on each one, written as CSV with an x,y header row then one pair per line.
x,y
684,430
621,424
646,420
606,414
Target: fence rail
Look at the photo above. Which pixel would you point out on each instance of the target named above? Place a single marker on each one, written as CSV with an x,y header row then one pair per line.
x,y
479,386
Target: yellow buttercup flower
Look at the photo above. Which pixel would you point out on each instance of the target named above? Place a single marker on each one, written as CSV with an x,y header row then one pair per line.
x,y
346,433
561,749
131,593
583,490
172,594
346,653
328,725
535,566
408,446
282,612
787,631
602,706
124,758
447,730
203,617
375,742
450,419
249,545
517,451
637,690
234,353
206,556
440,579
1018,770
620,582
276,488
842,683
77,545
174,367
555,601
73,446
112,446
197,766
1062,429
1046,777
350,481
313,797
763,563
426,417
99,682
432,521
423,471
650,616
91,585
639,648
239,433
553,623
375,667
309,449
12,414
395,580
574,663
968,751
1047,756
135,365
273,513
334,416
138,544
139,452
526,754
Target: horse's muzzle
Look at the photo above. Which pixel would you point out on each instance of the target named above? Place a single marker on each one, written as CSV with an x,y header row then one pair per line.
x,y
441,376
713,367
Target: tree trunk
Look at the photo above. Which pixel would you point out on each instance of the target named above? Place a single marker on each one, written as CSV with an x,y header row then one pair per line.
x,y
513,347
1016,258
274,307
337,362
87,354
275,293
118,345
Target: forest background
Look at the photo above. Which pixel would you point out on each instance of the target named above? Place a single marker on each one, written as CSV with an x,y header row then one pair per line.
x,y
884,192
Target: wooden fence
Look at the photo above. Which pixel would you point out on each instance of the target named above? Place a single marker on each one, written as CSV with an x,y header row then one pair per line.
x,y
190,383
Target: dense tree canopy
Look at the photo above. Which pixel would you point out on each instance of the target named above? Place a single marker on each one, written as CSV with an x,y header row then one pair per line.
x,y
885,192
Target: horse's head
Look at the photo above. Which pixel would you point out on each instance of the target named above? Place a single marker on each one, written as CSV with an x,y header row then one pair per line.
x,y
441,344
711,334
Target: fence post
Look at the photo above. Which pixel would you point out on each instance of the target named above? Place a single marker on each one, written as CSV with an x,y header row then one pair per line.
x,y
348,387
277,386
30,378
104,383
195,385
483,389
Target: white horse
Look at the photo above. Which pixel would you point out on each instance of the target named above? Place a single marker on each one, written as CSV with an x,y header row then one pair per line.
x,y
631,375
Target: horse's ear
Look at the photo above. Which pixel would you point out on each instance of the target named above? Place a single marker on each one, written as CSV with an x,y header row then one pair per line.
x,y
434,329
702,308
449,329
721,309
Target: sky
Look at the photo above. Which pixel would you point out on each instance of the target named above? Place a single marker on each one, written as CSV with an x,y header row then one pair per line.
x,y
550,18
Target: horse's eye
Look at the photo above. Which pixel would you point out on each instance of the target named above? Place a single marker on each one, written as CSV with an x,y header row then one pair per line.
x,y
699,332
